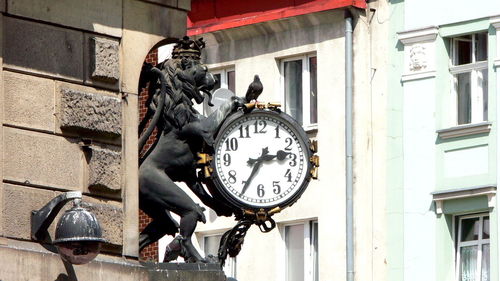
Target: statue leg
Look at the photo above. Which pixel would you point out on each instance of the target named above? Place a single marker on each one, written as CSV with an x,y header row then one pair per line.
x,y
158,190
187,227
159,227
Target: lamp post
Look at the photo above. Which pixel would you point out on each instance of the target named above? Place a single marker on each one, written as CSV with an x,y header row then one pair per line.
x,y
78,235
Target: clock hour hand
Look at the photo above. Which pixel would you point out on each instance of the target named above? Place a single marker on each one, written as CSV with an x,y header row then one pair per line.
x,y
280,155
263,156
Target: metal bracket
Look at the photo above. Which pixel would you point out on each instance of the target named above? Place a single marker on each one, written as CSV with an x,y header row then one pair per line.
x,y
263,105
314,146
204,163
315,164
204,159
41,219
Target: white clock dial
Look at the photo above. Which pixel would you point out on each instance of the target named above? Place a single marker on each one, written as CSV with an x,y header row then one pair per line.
x,y
261,160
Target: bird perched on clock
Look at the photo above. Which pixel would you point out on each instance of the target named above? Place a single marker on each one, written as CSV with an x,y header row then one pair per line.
x,y
254,89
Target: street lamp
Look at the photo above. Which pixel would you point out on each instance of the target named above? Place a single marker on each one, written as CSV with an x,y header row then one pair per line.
x,y
78,235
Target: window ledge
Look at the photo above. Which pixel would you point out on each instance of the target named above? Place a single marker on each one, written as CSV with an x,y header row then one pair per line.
x,y
310,128
496,63
464,130
418,75
440,196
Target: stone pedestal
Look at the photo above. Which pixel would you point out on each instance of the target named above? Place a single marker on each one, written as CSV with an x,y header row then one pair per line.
x,y
184,272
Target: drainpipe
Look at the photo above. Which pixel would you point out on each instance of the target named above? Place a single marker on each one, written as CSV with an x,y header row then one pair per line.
x,y
348,148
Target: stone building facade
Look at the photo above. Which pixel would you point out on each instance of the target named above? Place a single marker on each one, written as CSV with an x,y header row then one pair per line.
x,y
69,115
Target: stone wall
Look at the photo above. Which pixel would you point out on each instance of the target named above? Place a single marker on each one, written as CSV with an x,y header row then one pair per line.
x,y
69,116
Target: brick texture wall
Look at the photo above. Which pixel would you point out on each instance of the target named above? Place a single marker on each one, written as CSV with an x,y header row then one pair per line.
x,y
150,253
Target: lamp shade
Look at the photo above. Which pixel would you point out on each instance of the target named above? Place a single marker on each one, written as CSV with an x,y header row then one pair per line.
x,y
78,236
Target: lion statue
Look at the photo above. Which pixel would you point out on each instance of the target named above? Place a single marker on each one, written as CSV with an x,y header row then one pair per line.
x,y
182,132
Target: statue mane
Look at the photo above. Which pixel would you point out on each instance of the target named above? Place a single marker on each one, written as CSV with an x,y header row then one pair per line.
x,y
181,86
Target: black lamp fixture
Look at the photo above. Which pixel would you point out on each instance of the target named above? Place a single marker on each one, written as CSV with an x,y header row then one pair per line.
x,y
78,235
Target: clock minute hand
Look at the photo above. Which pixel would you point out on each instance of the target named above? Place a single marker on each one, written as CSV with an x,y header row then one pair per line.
x,y
257,163
256,167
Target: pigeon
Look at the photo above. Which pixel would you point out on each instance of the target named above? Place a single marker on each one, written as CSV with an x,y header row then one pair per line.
x,y
254,89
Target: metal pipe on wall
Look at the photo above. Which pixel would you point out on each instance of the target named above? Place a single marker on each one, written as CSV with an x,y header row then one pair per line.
x,y
348,147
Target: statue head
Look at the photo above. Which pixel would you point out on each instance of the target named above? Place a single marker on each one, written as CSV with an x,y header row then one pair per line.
x,y
188,53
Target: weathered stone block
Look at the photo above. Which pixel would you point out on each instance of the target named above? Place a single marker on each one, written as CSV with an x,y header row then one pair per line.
x,y
90,113
110,218
99,16
18,202
49,50
104,170
29,101
104,59
42,159
2,5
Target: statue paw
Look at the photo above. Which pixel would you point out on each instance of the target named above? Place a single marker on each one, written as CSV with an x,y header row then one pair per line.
x,y
212,259
189,253
173,249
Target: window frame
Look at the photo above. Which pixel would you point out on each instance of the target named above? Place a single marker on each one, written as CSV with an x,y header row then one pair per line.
x,y
310,260
478,111
306,88
224,76
479,242
223,72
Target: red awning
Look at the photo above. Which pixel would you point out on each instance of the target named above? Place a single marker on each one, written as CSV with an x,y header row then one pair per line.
x,y
212,15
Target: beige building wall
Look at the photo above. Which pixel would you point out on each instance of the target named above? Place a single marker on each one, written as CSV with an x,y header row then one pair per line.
x,y
69,116
258,49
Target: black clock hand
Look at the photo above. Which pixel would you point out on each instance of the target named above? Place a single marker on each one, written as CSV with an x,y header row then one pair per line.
x,y
264,153
280,155
256,167
264,156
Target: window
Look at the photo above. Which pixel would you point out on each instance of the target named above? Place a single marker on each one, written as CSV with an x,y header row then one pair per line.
x,y
301,241
473,248
225,78
211,247
469,69
299,83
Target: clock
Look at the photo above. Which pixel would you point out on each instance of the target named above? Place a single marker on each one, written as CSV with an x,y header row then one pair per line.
x,y
262,160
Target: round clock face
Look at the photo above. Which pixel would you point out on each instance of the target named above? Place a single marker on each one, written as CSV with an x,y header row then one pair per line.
x,y
262,160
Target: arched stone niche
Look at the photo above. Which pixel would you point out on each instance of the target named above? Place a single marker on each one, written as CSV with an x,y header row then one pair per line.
x,y
146,27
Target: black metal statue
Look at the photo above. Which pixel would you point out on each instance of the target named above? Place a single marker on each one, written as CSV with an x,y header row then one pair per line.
x,y
182,132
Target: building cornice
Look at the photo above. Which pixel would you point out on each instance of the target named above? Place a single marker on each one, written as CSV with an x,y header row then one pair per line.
x,y
495,21
464,130
426,34
484,190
